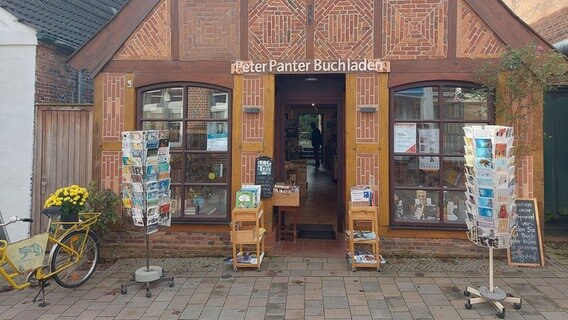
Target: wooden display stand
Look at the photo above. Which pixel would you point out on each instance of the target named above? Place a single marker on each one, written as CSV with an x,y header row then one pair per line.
x,y
288,205
369,238
247,229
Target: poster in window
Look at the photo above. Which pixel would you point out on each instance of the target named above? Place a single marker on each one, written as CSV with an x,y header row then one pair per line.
x,y
429,143
405,137
217,136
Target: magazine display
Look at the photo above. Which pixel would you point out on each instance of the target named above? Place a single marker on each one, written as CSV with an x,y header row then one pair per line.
x,y
490,185
248,197
146,179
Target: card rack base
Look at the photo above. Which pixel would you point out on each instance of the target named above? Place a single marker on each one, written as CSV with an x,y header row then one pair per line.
x,y
147,275
494,298
491,294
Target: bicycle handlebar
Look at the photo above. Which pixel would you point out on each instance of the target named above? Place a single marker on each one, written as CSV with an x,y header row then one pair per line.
x,y
16,219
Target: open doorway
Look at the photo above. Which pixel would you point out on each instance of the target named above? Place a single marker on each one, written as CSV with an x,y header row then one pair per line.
x,y
306,137
300,103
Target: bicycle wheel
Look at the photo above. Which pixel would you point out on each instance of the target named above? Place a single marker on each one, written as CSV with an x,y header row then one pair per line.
x,y
84,265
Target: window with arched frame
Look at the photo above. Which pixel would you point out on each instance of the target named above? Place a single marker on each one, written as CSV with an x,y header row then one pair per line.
x,y
198,120
427,179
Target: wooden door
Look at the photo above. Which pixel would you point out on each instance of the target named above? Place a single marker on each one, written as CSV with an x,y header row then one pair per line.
x,y
62,153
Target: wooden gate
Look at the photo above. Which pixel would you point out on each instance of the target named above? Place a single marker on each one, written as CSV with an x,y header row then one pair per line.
x,y
62,153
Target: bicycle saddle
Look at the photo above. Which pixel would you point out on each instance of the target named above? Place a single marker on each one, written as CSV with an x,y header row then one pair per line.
x,y
52,211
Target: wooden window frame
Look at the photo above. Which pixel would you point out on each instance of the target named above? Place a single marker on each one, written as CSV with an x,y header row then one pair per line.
x,y
440,121
184,150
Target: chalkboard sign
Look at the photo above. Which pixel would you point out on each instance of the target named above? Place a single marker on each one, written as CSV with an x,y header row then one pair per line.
x,y
526,249
264,176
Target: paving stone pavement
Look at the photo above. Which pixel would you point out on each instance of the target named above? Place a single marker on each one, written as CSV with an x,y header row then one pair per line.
x,y
300,288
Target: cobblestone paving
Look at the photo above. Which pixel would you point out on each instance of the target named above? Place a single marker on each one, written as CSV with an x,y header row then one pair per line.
x,y
300,288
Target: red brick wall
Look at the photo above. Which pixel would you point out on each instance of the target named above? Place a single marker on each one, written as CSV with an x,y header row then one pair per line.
x,y
190,244
415,29
56,81
112,127
277,30
165,244
420,247
553,28
209,30
367,128
253,124
476,40
152,39
343,29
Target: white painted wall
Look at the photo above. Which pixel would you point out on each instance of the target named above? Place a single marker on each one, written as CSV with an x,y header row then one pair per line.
x,y
17,89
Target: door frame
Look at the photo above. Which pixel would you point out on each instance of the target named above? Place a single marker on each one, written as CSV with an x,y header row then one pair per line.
x,y
305,96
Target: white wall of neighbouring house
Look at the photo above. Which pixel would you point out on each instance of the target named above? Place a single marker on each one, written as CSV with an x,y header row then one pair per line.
x,y
17,91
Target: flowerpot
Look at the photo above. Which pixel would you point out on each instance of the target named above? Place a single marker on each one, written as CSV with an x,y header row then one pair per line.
x,y
68,218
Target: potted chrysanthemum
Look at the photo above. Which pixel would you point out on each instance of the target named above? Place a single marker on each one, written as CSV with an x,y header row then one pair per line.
x,y
71,201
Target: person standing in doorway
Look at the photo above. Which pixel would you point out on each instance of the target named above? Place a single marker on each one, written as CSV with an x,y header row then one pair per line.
x,y
316,143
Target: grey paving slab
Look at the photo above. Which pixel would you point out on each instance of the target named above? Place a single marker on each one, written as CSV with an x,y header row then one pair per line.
x,y
206,288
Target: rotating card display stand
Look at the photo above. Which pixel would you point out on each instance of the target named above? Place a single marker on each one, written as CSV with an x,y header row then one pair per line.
x,y
490,204
146,193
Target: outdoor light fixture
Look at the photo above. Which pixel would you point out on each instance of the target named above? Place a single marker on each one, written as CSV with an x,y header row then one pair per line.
x,y
252,109
368,109
311,78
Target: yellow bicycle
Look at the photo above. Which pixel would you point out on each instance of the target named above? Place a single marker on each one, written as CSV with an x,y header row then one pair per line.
x,y
72,259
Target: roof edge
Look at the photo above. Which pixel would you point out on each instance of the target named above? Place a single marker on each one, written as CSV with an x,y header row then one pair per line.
x,y
493,12
100,49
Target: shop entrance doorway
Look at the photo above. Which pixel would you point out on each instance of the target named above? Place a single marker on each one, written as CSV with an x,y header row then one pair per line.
x,y
299,103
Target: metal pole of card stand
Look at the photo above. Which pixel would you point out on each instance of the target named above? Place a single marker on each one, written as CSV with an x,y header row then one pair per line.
x,y
148,273
492,294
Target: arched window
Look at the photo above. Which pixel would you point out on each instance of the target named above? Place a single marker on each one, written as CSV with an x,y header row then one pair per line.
x,y
197,118
427,163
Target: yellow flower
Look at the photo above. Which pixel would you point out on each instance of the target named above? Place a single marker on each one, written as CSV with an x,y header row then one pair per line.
x,y
70,198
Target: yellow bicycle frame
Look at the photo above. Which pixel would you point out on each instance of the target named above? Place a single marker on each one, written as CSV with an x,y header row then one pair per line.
x,y
56,231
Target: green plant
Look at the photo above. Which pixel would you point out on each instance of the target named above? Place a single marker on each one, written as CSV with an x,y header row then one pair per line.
x,y
516,83
107,203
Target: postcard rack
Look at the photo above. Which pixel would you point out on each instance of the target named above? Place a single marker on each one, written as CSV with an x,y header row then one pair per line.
x,y
363,237
490,203
247,231
146,194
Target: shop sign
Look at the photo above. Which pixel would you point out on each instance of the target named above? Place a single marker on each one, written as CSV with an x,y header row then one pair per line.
x,y
310,66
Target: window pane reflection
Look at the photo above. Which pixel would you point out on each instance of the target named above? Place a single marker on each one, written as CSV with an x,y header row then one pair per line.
x,y
416,205
416,103
205,201
204,103
464,104
407,172
176,201
196,136
176,173
163,104
206,168
454,206
174,128
454,175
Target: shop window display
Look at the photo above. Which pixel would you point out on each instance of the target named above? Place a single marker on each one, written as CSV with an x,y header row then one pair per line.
x,y
197,119
427,166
